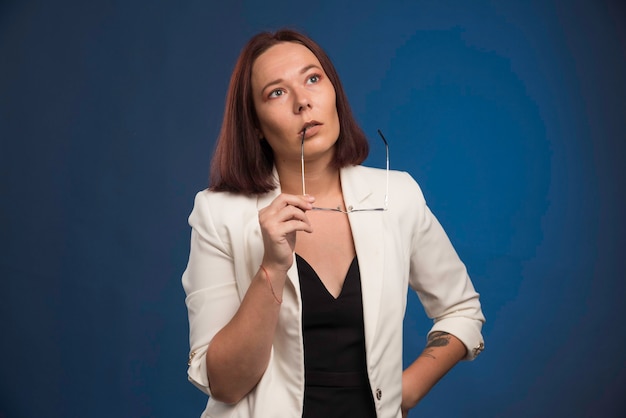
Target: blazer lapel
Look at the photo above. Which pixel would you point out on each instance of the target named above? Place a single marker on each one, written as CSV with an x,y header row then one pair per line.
x,y
368,233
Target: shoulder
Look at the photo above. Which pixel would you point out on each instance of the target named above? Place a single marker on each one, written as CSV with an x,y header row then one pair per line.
x,y
221,208
400,182
380,174
210,198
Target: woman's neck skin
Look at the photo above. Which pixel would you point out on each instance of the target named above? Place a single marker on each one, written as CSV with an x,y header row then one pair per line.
x,y
321,179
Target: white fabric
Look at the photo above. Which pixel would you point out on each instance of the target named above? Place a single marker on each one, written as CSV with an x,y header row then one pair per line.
x,y
401,247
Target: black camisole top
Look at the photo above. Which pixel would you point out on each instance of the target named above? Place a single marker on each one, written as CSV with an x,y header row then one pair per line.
x,y
336,382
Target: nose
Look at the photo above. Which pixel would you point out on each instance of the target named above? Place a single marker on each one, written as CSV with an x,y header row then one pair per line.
x,y
301,102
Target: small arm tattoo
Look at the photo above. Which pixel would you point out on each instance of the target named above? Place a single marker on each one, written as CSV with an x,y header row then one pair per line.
x,y
428,353
435,339
438,339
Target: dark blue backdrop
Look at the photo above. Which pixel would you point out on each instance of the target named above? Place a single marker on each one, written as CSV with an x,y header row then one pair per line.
x,y
510,114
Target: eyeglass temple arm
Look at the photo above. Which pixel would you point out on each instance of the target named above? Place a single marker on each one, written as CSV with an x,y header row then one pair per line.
x,y
302,161
387,167
387,171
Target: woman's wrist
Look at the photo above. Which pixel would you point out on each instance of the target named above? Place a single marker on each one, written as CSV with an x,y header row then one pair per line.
x,y
275,268
268,280
411,393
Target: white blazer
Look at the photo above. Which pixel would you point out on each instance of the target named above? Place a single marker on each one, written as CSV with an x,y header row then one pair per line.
x,y
401,247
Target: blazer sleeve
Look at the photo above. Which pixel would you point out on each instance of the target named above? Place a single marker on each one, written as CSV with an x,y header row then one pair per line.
x,y
209,283
441,280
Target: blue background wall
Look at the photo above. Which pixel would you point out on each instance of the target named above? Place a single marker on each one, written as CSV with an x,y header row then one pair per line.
x,y
511,115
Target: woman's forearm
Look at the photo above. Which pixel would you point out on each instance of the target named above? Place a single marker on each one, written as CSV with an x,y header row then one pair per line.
x,y
442,352
239,353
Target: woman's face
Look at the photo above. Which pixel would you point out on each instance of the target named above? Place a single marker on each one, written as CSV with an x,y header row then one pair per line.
x,y
291,91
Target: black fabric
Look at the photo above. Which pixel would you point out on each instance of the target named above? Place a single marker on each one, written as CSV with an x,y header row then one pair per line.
x,y
336,383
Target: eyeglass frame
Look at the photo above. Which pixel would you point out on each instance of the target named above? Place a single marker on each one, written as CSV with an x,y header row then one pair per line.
x,y
350,209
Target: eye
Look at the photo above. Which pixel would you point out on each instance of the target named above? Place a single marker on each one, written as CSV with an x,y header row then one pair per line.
x,y
275,93
315,78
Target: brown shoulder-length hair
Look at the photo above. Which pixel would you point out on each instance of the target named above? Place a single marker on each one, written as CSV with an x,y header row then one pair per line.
x,y
241,162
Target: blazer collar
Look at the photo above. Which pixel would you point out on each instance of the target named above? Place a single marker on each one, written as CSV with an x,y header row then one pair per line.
x,y
265,199
356,189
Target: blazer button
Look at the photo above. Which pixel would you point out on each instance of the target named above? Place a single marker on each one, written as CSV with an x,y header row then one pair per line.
x,y
478,349
379,394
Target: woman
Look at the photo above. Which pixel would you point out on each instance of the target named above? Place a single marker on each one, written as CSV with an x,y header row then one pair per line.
x,y
296,311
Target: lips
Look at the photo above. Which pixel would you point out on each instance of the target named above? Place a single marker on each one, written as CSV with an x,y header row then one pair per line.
x,y
310,127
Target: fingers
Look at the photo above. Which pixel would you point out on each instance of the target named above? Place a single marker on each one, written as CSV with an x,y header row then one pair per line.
x,y
304,203
286,214
279,223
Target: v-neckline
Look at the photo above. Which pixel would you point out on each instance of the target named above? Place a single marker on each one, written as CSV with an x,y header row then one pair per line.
x,y
321,283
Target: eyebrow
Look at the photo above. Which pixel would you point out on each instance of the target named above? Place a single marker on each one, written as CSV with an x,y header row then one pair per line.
x,y
280,80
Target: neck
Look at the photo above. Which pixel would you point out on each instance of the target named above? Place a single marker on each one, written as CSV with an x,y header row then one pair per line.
x,y
321,179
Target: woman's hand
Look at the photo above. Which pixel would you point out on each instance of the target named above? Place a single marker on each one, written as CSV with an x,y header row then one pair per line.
x,y
407,404
279,223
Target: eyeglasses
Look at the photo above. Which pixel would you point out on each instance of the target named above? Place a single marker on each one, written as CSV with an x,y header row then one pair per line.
x,y
350,209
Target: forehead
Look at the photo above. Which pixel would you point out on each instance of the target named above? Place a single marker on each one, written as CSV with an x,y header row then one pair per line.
x,y
281,60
